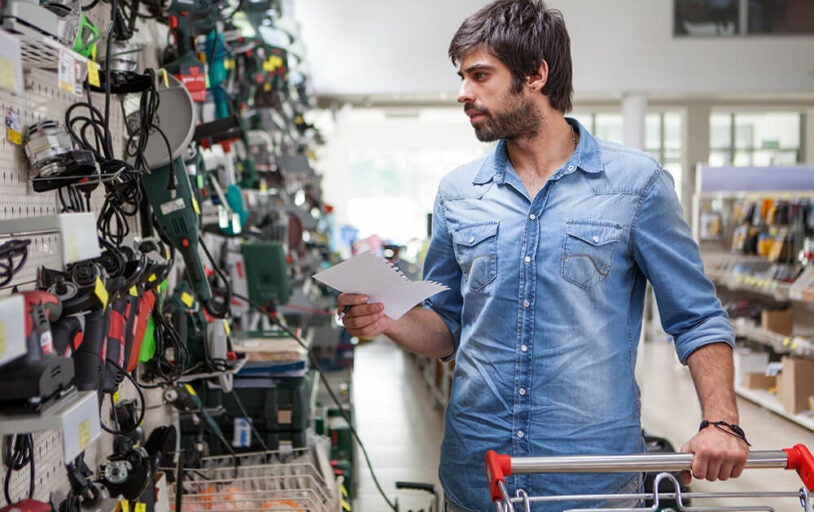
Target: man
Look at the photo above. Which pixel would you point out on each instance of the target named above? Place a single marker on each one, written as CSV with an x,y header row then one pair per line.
x,y
547,244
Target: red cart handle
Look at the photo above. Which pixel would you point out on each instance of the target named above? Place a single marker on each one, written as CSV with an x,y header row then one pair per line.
x,y
800,459
498,467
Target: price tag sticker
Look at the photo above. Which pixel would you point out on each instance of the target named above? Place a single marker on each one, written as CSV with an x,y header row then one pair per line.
x,y
133,291
14,126
66,70
191,390
93,74
84,434
187,299
225,328
124,506
101,292
786,341
140,507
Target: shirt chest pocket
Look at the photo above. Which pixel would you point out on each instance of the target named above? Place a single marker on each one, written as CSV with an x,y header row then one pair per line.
x,y
476,253
588,251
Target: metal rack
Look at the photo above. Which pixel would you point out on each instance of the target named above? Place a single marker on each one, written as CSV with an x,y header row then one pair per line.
x,y
284,481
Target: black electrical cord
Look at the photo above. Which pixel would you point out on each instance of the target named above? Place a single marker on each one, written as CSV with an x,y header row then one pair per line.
x,y
16,458
8,252
140,393
168,372
251,423
222,310
328,388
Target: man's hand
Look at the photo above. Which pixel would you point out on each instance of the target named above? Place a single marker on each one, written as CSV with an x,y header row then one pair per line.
x,y
717,455
361,319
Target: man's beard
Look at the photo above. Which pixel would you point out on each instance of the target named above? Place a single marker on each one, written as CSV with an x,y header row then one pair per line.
x,y
519,118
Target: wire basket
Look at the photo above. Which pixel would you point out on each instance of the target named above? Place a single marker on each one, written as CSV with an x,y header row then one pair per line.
x,y
290,481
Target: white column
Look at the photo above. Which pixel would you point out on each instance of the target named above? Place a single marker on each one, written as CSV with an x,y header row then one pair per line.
x,y
696,150
634,109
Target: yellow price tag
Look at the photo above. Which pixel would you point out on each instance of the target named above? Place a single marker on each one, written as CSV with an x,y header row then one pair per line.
x,y
786,342
166,80
7,76
124,505
140,507
794,344
3,338
116,396
226,327
229,64
187,299
14,136
93,74
345,505
152,278
195,207
267,87
191,390
101,292
84,434
134,291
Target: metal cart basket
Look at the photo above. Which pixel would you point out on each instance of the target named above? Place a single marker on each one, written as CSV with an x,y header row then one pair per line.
x,y
284,481
498,467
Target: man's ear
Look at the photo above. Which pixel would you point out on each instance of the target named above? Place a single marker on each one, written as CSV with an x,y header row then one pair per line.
x,y
538,80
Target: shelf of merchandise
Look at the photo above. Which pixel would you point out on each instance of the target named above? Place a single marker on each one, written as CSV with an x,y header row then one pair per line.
x,y
750,274
769,401
797,346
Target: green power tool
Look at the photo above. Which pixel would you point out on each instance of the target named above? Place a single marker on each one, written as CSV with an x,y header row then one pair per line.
x,y
167,185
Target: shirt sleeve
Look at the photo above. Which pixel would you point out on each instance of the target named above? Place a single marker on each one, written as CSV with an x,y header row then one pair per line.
x,y
668,256
440,266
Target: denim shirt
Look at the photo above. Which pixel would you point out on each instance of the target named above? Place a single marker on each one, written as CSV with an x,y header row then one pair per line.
x,y
545,308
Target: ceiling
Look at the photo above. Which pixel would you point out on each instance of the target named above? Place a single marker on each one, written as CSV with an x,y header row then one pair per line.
x,y
394,52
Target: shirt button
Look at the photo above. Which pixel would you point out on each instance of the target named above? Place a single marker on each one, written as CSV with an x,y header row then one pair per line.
x,y
527,259
520,434
525,305
524,348
532,216
570,167
471,239
522,391
595,238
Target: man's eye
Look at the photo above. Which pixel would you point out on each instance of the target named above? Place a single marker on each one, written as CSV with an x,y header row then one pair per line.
x,y
480,76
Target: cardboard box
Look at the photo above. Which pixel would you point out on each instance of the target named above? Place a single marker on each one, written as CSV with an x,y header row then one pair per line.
x,y
759,381
748,361
780,321
795,384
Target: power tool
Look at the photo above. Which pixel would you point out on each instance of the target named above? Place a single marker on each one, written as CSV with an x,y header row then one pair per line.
x,y
167,185
32,380
188,19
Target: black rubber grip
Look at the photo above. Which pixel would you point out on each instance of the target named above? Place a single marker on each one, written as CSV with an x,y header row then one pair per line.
x,y
420,486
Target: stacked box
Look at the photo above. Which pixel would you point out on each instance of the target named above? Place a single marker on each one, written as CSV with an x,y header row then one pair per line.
x,y
278,407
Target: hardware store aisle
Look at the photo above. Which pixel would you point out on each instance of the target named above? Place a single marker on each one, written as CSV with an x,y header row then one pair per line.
x,y
402,429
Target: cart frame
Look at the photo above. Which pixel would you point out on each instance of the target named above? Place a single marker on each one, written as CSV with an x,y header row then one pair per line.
x,y
499,466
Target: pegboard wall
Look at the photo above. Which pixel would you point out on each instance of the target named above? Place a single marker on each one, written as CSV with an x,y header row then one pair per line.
x,y
43,99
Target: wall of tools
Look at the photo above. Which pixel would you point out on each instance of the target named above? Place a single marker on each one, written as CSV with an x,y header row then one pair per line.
x,y
160,219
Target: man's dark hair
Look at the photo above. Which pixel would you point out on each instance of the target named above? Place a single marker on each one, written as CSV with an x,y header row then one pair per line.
x,y
521,33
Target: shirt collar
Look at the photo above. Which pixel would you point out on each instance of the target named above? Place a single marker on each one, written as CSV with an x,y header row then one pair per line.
x,y
587,157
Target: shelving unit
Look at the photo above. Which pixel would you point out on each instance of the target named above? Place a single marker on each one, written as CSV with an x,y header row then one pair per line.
x,y
754,278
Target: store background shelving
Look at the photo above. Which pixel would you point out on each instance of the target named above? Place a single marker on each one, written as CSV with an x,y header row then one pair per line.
x,y
753,279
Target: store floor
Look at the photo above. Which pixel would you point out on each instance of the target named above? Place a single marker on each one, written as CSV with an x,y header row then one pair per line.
x,y
402,428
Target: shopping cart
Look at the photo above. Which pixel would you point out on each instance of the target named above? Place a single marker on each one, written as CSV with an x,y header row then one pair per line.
x,y
498,467
284,481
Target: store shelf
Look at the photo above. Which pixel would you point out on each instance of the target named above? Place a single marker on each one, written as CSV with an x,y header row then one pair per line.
x,y
782,344
769,401
75,414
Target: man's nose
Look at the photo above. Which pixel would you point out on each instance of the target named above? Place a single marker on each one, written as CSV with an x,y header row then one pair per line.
x,y
465,93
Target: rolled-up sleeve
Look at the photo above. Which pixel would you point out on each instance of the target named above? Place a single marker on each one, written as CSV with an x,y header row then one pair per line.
x,y
668,256
440,266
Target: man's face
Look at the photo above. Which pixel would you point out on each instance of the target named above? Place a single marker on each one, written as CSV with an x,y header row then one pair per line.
x,y
493,108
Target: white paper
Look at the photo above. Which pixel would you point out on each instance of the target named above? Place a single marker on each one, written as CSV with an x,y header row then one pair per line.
x,y
372,276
